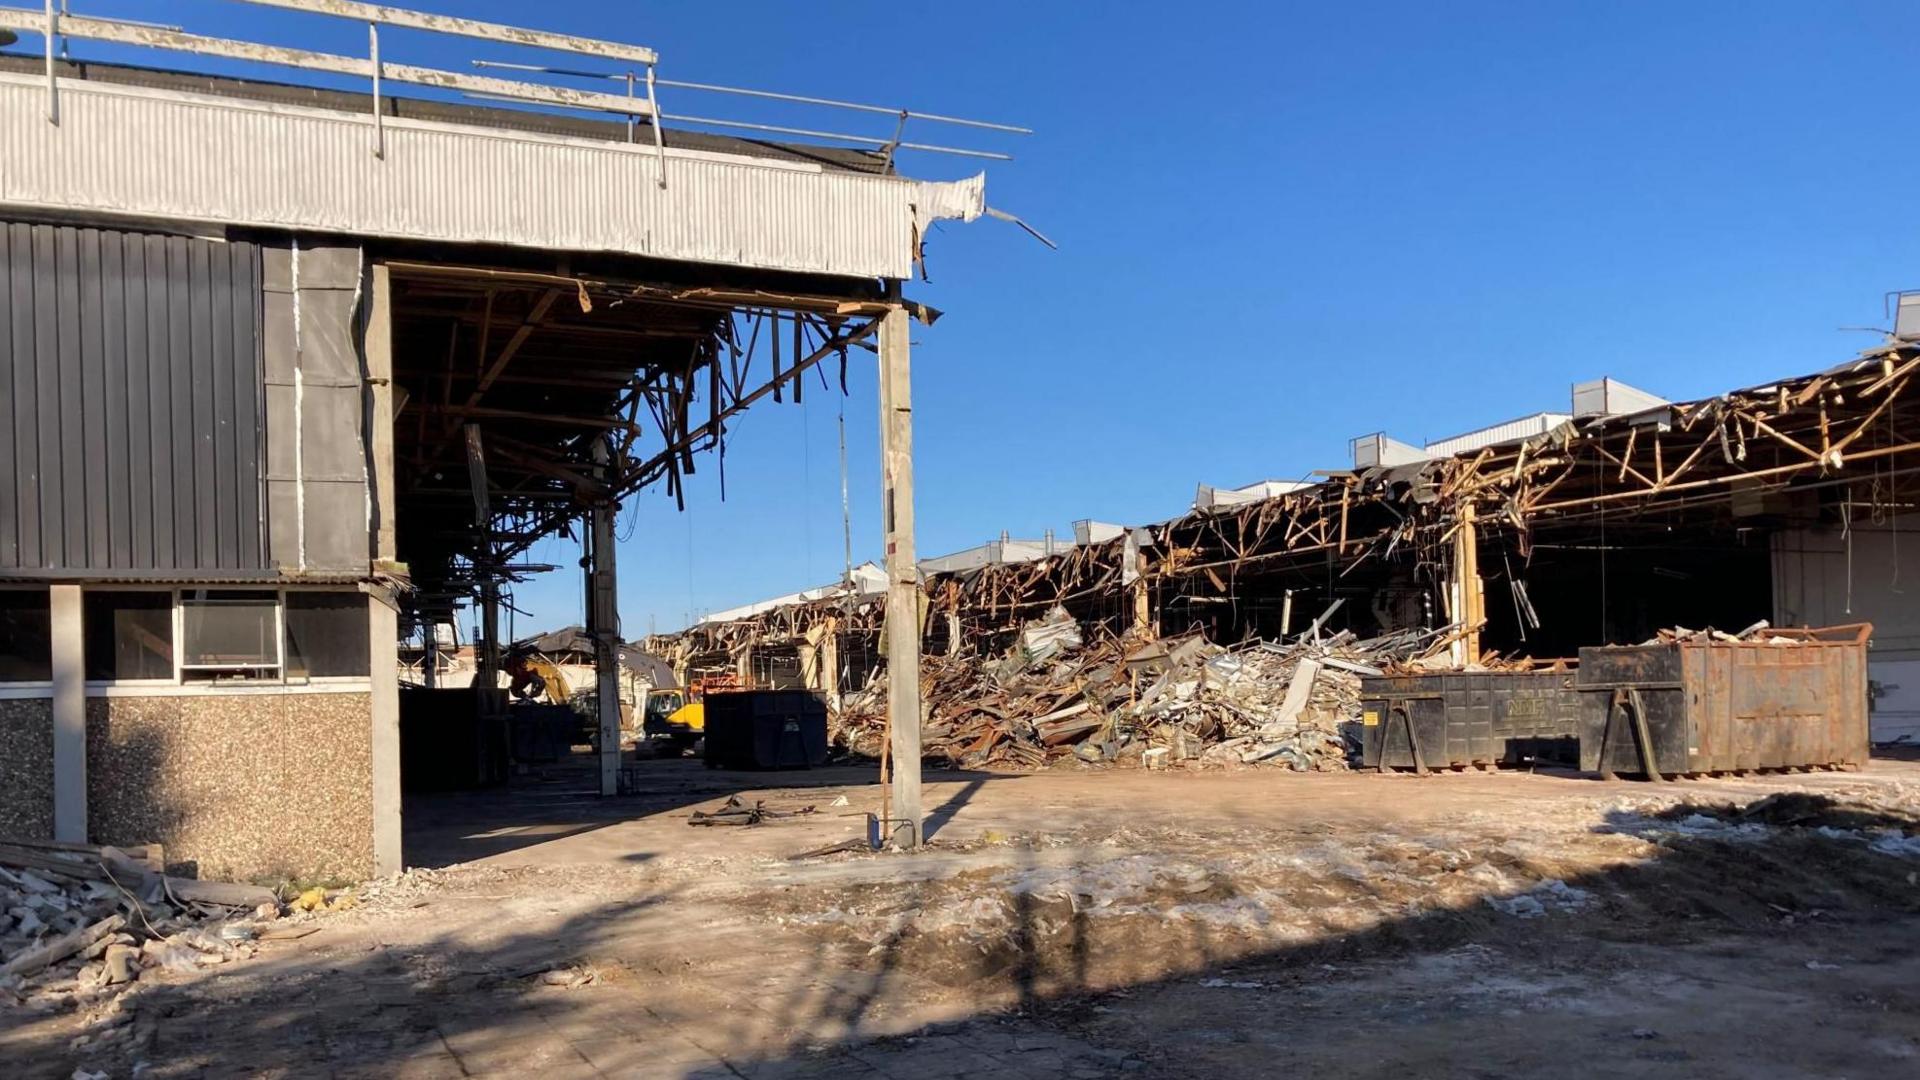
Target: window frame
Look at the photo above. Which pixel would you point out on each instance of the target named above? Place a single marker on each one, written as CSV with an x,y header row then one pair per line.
x,y
14,687
320,680
173,624
211,674
207,676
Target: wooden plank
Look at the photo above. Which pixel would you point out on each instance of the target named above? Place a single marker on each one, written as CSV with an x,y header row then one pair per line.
x,y
58,949
221,893
33,860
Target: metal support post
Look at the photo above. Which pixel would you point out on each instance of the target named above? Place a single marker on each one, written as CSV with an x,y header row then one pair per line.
x,y
603,623
903,581
489,659
488,647
379,122
53,83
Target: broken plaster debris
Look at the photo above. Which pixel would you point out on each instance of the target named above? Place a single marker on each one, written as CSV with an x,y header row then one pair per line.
x,y
1156,702
80,925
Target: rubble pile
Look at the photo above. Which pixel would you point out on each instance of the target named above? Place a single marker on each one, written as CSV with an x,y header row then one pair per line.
x,y
1151,702
81,924
1761,631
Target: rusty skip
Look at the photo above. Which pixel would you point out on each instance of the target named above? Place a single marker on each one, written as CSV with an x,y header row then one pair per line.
x,y
1792,699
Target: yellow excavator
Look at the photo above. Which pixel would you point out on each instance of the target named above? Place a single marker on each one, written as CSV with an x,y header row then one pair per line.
x,y
533,677
678,717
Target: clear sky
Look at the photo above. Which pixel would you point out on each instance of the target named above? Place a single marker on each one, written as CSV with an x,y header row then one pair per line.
x,y
1281,225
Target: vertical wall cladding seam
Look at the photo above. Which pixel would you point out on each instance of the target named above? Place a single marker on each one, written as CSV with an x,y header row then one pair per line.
x,y
9,404
132,368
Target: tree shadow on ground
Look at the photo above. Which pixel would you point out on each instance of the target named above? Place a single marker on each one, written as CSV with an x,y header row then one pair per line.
x,y
1065,990
1714,891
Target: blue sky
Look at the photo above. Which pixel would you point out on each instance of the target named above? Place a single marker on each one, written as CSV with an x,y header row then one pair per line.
x,y
1281,226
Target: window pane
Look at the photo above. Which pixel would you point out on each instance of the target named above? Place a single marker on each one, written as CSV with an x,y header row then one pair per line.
x,y
229,630
26,644
326,634
128,635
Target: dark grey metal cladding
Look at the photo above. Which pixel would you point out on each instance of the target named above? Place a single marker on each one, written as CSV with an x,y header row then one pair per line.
x,y
131,368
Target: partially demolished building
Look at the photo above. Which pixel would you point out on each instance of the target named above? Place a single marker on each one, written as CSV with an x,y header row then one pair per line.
x,y
1602,524
292,371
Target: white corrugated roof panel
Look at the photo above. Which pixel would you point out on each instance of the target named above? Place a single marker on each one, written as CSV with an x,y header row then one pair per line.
x,y
192,157
1511,431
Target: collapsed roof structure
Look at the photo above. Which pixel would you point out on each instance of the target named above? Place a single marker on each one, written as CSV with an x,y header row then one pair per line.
x,y
1624,515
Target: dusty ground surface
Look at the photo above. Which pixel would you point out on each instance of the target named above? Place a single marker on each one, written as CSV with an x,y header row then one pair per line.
x,y
1088,924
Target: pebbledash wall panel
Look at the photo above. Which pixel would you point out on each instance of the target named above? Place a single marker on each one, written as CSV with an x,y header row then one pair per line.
x,y
130,364
236,786
26,768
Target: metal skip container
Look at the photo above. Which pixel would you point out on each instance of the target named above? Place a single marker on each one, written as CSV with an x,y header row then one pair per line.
x,y
766,729
1793,698
1457,719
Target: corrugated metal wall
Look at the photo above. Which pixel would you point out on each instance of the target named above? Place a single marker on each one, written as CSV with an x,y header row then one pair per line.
x,y
132,373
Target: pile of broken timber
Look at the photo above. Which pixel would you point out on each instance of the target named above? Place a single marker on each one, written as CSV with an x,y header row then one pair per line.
x,y
1147,702
80,923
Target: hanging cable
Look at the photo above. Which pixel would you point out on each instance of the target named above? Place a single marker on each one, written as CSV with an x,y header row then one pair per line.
x,y
1846,537
806,486
846,517
691,613
1604,637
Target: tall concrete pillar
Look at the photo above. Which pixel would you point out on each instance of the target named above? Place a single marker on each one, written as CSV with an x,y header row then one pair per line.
x,y
69,716
383,620
383,668
903,580
603,623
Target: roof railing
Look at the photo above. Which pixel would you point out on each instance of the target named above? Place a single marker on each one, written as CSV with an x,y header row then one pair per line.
x,y
887,146
56,25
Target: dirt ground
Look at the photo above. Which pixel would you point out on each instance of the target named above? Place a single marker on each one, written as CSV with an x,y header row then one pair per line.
x,y
1087,924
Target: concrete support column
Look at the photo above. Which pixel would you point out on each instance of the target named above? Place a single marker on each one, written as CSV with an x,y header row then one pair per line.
x,y
69,717
383,620
903,578
603,623
383,667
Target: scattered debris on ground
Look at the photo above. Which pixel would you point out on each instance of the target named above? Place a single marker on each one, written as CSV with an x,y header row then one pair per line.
x,y
1160,919
80,925
736,812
